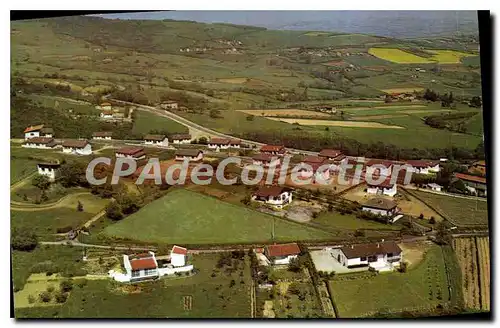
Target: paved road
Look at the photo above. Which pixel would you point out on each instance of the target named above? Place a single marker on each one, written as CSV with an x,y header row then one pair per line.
x,y
194,126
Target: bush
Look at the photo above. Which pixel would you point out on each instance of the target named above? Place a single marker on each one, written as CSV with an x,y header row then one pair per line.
x,y
50,289
31,299
432,220
24,240
45,297
61,297
66,285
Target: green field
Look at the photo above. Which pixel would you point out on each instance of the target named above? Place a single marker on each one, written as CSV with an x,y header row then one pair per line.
x,y
459,211
146,122
210,296
336,220
174,219
420,288
21,168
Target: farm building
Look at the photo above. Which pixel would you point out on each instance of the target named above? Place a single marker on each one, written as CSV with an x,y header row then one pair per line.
x,y
135,153
320,172
434,186
156,139
192,155
275,196
379,167
266,160
106,114
478,167
474,184
169,104
383,256
180,138
104,106
330,154
40,143
38,131
102,135
423,166
51,170
178,256
273,150
381,206
223,143
282,254
78,147
146,266
386,187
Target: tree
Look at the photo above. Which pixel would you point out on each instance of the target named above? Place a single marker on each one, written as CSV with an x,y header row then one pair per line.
x,y
24,239
66,286
250,117
42,182
45,296
295,265
475,102
202,140
388,99
79,207
114,211
61,297
442,234
430,95
432,220
73,174
214,113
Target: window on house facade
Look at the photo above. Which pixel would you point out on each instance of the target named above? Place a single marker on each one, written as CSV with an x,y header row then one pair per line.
x,y
136,273
149,272
363,258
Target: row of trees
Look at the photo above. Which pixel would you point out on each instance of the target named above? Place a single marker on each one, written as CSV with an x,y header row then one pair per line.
x,y
450,121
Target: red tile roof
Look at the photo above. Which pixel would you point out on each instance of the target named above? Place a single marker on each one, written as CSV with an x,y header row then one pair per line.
x,y
270,191
144,263
420,163
219,141
131,151
355,251
179,250
385,162
75,143
313,159
471,178
283,249
384,184
263,157
155,137
180,136
272,148
40,140
33,128
102,134
330,153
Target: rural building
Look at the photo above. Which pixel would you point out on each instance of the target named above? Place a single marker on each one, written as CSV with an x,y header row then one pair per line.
x,y
434,186
178,256
381,206
423,166
273,150
38,131
169,104
282,254
105,106
40,142
218,143
478,167
378,167
51,170
146,266
156,139
275,196
474,184
78,147
266,160
318,174
102,135
180,138
383,256
106,114
135,153
193,155
330,154
386,187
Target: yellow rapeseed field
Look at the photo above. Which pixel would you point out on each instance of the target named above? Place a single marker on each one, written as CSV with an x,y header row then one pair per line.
x,y
402,57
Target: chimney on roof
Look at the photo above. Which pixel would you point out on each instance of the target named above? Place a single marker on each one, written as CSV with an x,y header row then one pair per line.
x,y
378,245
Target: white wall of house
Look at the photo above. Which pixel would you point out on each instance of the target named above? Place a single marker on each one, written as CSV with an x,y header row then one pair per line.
x,y
217,147
279,201
272,163
235,145
199,157
283,260
87,150
36,145
32,134
183,141
101,138
48,172
384,191
163,143
385,171
106,115
171,271
177,260
130,156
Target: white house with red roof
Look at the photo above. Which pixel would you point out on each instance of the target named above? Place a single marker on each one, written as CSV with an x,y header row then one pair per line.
x,y
423,166
78,147
141,266
40,143
178,256
273,195
135,153
273,150
223,143
38,131
330,154
386,187
377,167
266,160
282,254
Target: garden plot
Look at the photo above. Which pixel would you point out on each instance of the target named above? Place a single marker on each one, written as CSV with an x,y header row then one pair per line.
x,y
283,112
345,124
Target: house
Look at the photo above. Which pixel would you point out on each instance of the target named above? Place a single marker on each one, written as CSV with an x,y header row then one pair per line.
x,y
282,254
234,143
40,142
38,131
423,166
193,155
135,153
434,186
474,184
79,147
106,114
273,150
169,104
383,256
51,170
381,206
180,138
102,135
105,106
383,167
275,196
266,160
178,256
386,187
141,266
478,167
156,139
330,154
219,143
317,174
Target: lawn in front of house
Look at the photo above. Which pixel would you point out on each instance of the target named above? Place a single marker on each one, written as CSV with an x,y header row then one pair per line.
x,y
190,218
422,287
